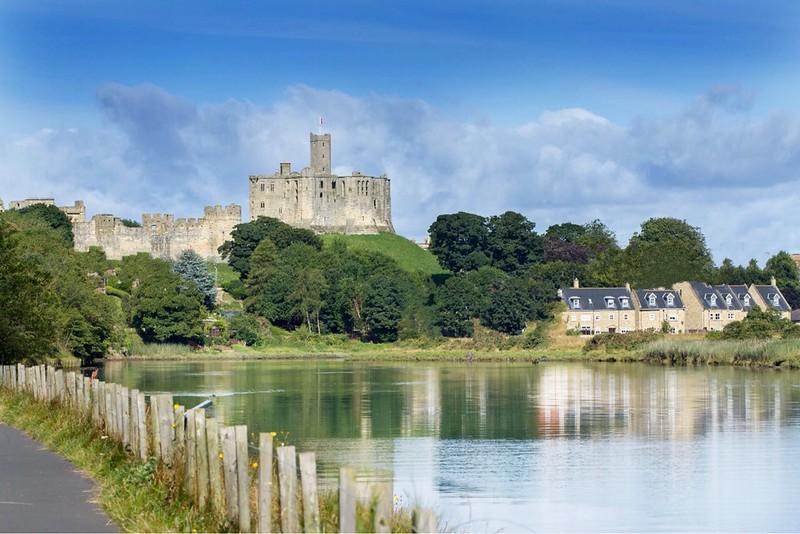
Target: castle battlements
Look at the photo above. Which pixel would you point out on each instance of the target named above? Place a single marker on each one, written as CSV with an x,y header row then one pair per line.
x,y
317,199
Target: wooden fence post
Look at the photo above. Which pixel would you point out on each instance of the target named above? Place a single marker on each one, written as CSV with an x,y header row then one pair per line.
x,y
243,469
125,412
179,452
382,501
308,482
141,421
265,482
166,426
423,520
190,453
287,485
201,458
133,430
228,438
154,425
216,490
60,393
348,496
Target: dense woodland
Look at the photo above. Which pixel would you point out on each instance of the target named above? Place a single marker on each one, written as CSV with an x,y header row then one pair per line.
x,y
499,273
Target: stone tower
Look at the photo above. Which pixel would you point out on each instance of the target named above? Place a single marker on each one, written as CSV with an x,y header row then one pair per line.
x,y
317,199
321,154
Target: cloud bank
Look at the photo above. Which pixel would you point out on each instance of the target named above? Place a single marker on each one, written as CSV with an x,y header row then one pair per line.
x,y
716,163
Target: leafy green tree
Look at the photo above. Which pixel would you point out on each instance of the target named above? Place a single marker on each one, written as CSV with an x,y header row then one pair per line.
x,y
246,237
597,238
383,307
244,328
130,223
455,236
760,324
666,251
782,267
507,309
165,308
565,232
52,217
754,274
192,268
306,296
28,309
512,242
455,303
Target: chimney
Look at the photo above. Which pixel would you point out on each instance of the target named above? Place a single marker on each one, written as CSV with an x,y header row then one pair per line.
x,y
773,282
576,283
628,286
286,168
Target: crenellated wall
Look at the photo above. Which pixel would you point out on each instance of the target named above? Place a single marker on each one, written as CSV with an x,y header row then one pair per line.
x,y
161,234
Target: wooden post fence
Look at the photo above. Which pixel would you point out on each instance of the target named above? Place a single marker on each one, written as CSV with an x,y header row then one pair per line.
x,y
209,461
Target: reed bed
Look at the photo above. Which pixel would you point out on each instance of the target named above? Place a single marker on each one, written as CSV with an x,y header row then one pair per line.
x,y
783,353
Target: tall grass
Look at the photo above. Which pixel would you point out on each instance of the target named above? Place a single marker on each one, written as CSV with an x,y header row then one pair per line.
x,y
759,353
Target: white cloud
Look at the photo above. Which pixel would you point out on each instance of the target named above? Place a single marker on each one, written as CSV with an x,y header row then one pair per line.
x,y
733,174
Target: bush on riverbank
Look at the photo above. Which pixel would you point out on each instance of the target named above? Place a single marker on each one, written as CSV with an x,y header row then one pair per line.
x,y
629,341
759,353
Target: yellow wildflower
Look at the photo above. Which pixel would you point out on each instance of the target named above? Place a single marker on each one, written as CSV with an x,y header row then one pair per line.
x,y
221,456
255,465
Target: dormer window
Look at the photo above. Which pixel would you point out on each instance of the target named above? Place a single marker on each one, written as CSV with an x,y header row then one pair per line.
x,y
747,300
670,298
575,302
610,302
624,302
776,300
729,300
651,299
712,299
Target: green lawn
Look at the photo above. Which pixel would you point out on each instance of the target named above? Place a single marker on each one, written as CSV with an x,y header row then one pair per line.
x,y
224,272
408,255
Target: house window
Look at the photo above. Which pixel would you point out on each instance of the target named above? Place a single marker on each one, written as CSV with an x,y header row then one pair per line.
x,y
670,299
624,316
575,302
596,317
586,317
728,300
731,316
651,299
624,302
652,316
713,300
610,302
573,317
673,317
610,316
747,300
776,301
715,316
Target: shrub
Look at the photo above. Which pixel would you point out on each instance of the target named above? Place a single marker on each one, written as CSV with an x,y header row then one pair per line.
x,y
244,328
618,341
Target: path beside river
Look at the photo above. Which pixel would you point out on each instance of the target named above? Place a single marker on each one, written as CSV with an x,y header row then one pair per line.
x,y
41,492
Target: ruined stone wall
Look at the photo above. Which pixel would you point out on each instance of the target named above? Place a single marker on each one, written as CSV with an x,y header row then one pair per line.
x,y
160,234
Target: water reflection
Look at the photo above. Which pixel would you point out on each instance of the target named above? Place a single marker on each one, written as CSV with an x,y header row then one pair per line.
x,y
547,447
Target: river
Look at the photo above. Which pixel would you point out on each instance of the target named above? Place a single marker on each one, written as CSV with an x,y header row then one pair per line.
x,y
553,447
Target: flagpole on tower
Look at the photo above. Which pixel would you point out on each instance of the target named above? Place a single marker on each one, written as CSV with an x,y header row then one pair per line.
x,y
321,122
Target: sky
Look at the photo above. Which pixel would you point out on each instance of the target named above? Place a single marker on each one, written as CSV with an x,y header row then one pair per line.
x,y
563,110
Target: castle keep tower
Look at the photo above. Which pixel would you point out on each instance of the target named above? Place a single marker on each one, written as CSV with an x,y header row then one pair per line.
x,y
316,199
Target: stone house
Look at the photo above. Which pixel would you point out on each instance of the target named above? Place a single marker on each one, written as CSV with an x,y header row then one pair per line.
x,y
769,297
655,306
709,308
596,310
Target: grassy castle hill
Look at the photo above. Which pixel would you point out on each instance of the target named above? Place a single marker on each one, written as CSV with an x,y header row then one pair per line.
x,y
408,255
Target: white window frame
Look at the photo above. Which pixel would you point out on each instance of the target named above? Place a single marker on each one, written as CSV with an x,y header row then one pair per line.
x,y
670,298
575,302
651,299
610,302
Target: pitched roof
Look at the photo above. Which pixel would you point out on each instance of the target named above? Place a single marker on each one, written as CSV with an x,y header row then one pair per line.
x,y
597,298
729,298
661,299
773,297
743,295
709,297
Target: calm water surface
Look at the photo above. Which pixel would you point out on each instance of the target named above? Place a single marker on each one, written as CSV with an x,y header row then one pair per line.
x,y
555,447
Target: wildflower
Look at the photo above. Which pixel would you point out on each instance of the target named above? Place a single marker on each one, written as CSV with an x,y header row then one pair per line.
x,y
176,406
221,456
273,434
255,465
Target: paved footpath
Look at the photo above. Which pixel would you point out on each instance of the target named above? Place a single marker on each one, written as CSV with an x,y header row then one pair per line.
x,y
42,492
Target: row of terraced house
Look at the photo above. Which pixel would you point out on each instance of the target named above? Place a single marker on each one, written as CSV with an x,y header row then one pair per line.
x,y
685,307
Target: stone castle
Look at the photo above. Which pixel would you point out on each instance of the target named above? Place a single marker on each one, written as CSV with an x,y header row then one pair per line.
x,y
319,200
313,198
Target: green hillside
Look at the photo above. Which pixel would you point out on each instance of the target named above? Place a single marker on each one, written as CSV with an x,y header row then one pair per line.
x,y
404,251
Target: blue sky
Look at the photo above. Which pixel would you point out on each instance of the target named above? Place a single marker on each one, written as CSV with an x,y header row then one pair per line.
x,y
562,109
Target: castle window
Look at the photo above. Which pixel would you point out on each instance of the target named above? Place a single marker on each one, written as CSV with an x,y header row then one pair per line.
x,y
320,194
374,203
262,187
321,184
272,187
262,204
333,185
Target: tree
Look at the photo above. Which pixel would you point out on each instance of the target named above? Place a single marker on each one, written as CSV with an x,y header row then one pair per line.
x,y
666,251
556,250
507,309
782,267
456,236
512,242
597,238
166,309
53,218
306,295
192,268
383,306
455,302
565,232
28,311
244,328
246,237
